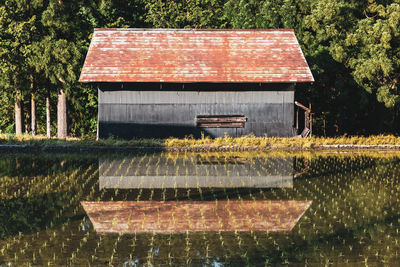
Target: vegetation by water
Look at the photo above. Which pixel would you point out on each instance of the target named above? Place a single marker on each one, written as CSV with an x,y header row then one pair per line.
x,y
281,142
249,142
351,46
353,218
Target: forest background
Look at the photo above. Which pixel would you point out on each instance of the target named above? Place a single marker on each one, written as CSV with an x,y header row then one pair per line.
x,y
352,48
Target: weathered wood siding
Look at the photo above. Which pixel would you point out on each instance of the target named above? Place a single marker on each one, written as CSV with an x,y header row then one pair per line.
x,y
159,113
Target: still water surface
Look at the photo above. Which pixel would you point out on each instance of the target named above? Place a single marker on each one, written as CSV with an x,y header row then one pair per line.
x,y
199,209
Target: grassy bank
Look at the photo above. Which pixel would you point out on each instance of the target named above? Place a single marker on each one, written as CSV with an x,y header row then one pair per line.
x,y
282,142
206,143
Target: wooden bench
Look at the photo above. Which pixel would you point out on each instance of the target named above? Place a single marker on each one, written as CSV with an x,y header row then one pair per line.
x,y
220,121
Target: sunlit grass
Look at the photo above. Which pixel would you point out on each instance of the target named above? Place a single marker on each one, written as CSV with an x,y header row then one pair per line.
x,y
250,141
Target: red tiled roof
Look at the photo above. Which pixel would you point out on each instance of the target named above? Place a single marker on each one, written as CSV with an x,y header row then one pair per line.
x,y
172,55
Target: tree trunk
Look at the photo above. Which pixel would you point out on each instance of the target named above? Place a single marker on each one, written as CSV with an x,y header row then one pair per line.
x,y
48,121
33,108
18,107
27,121
61,114
18,115
33,113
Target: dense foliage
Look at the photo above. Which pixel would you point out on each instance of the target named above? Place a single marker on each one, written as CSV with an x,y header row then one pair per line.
x,y
351,46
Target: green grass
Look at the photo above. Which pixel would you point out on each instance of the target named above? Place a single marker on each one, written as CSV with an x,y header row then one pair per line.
x,y
207,143
40,140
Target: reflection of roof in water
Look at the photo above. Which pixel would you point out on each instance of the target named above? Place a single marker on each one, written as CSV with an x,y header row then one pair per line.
x,y
182,216
160,172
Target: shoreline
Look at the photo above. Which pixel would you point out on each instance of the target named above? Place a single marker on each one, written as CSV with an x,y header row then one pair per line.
x,y
205,148
26,143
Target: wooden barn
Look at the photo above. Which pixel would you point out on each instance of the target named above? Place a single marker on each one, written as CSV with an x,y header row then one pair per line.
x,y
178,82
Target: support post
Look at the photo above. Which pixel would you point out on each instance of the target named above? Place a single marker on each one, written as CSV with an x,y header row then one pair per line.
x,y
310,120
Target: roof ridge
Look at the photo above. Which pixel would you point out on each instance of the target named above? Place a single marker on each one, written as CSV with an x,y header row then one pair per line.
x,y
191,29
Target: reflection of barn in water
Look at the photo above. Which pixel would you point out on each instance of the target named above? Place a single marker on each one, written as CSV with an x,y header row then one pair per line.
x,y
194,216
216,205
195,171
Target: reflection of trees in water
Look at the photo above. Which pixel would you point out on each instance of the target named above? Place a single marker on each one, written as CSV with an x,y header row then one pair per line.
x,y
28,165
325,165
30,214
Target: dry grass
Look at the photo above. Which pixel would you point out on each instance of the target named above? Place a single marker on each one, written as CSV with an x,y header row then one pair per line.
x,y
281,142
278,153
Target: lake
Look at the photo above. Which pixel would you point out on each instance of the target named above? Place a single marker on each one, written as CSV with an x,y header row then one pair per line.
x,y
234,209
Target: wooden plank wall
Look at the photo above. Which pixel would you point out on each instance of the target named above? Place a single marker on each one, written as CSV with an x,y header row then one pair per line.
x,y
127,114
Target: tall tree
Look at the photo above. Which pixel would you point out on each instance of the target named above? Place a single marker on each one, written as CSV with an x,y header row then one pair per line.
x,y
362,37
18,22
60,53
372,51
48,113
53,54
33,105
